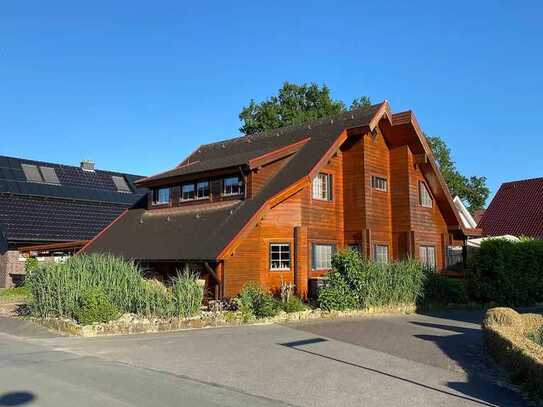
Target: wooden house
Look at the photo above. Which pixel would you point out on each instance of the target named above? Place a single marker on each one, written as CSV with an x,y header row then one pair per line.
x,y
275,206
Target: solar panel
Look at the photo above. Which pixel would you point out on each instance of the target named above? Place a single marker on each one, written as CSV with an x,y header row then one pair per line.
x,y
31,173
121,184
49,175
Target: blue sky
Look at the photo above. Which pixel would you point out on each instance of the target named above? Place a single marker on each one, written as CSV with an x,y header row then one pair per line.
x,y
137,85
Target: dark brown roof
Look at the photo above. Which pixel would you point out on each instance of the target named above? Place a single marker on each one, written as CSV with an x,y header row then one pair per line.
x,y
189,235
517,209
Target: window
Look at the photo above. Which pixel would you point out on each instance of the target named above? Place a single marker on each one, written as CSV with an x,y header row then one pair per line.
x,y
380,253
120,183
202,190
322,186
187,192
322,256
355,247
33,173
455,255
379,183
279,256
232,186
161,196
425,197
427,256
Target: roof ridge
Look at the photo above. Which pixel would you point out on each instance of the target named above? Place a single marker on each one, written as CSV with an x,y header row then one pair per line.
x,y
315,122
536,179
49,163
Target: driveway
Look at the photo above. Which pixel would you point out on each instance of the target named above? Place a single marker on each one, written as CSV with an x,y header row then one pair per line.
x,y
407,360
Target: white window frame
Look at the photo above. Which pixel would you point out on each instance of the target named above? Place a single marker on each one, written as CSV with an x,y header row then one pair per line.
x,y
424,256
322,187
190,185
379,183
157,196
239,185
284,256
319,254
380,253
199,188
425,198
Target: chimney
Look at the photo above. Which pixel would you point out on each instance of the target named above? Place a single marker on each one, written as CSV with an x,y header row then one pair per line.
x,y
87,165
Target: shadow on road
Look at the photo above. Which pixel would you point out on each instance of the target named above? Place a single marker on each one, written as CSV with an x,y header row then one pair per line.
x,y
295,346
16,398
464,346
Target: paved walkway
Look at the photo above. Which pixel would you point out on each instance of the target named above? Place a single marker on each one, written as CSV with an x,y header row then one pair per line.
x,y
414,360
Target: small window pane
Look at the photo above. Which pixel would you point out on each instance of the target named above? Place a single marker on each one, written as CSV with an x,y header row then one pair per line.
x,y
322,256
322,186
380,253
187,192
202,190
379,183
279,256
161,196
425,197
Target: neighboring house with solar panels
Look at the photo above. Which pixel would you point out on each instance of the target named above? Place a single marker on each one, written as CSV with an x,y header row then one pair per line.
x,y
52,210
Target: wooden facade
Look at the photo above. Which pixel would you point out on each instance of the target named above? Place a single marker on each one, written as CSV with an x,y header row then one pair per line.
x,y
379,192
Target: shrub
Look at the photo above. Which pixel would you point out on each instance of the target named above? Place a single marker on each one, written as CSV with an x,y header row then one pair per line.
x,y
356,282
187,295
444,290
31,264
293,304
254,301
507,273
94,306
57,288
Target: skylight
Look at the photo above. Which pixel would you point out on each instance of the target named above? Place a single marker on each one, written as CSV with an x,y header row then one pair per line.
x,y
33,173
121,184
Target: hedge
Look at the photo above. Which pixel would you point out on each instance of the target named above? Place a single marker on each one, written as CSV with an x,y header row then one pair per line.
x,y
506,337
507,273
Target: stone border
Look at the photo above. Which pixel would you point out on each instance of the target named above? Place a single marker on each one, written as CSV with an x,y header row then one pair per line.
x,y
131,324
505,337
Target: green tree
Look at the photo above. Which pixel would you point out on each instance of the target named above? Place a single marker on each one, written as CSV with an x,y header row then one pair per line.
x,y
296,104
293,104
472,190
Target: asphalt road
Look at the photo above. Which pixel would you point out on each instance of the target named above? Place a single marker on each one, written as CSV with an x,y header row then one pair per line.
x,y
412,360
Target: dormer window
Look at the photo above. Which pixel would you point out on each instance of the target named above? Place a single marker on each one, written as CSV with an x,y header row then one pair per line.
x,y
161,196
202,190
187,192
232,186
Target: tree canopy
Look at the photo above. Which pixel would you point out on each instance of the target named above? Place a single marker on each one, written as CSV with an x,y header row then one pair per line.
x,y
296,104
293,104
472,190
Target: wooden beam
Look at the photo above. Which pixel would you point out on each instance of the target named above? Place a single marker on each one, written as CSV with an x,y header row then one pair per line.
x,y
420,158
211,271
53,246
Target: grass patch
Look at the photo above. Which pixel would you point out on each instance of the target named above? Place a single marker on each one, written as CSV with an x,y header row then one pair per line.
x,y
15,294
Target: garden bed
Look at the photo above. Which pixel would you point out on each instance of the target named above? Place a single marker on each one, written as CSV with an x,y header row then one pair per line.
x,y
133,324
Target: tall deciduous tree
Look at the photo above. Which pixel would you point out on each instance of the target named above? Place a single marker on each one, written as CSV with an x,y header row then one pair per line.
x,y
296,104
293,104
472,190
